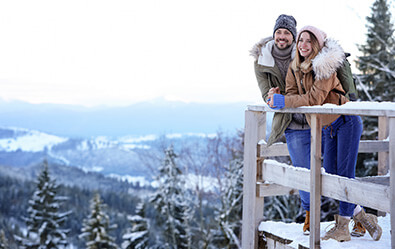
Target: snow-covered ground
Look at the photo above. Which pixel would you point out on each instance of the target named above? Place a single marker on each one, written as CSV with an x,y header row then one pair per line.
x,y
293,231
29,140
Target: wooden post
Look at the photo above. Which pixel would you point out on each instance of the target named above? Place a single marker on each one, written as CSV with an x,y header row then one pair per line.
x,y
255,129
383,164
315,181
392,176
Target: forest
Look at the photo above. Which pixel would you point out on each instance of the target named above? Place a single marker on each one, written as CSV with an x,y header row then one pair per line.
x,y
171,213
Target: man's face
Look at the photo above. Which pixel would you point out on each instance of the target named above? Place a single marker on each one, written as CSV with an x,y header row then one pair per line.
x,y
283,38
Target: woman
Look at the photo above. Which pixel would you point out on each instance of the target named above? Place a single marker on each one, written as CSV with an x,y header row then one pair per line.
x,y
311,80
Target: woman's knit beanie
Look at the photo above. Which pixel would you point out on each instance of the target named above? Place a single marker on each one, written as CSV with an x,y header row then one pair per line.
x,y
319,34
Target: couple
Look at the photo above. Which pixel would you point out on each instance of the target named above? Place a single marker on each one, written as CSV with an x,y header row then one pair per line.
x,y
299,69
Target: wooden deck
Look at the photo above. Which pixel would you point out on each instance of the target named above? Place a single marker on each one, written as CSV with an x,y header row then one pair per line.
x,y
374,192
276,235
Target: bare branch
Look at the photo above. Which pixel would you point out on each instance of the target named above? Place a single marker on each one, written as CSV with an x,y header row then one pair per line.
x,y
363,87
382,67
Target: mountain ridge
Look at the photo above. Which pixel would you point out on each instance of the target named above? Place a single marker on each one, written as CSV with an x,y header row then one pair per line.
x,y
143,118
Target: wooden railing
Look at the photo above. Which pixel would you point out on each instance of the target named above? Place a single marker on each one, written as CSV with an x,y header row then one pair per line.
x,y
374,192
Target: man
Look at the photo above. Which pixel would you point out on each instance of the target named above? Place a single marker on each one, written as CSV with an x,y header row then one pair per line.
x,y
272,58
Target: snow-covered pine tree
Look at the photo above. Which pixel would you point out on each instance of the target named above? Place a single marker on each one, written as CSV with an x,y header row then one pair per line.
x,y
377,62
229,213
45,221
96,227
137,237
377,65
170,204
3,240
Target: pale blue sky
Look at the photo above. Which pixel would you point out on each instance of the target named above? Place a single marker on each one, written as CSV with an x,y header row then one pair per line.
x,y
118,52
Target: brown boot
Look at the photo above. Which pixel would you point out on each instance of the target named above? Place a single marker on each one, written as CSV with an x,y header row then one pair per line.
x,y
340,232
358,230
369,221
306,226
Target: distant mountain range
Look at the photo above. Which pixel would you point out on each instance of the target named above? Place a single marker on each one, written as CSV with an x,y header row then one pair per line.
x,y
152,117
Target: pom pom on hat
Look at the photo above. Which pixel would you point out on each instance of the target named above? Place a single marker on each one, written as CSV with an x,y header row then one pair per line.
x,y
319,34
286,22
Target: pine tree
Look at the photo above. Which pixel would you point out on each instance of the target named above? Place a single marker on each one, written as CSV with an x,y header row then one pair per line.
x,y
96,227
229,213
3,240
377,65
377,62
169,201
137,237
45,220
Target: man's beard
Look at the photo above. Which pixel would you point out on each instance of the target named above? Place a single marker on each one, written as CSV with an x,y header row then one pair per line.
x,y
283,48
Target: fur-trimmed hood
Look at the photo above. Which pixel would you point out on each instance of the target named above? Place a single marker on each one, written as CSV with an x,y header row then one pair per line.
x,y
256,50
328,60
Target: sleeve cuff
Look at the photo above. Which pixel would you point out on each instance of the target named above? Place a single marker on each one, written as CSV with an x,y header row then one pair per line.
x,y
278,101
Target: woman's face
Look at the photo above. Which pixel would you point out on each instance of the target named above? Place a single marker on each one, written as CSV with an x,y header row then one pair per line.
x,y
304,44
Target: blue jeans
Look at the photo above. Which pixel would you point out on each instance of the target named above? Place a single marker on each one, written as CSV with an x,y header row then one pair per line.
x,y
341,140
298,143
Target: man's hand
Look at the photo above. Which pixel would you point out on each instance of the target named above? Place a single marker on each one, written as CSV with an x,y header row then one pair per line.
x,y
270,94
274,90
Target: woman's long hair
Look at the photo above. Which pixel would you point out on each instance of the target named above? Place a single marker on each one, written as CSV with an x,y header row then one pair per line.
x,y
301,63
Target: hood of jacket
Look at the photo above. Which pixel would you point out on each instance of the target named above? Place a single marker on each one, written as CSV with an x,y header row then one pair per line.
x,y
256,50
262,52
328,60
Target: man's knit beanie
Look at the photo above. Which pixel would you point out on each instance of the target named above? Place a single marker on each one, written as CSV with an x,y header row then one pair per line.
x,y
286,22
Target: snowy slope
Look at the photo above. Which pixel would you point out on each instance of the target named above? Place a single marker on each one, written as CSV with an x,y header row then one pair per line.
x,y
28,140
22,147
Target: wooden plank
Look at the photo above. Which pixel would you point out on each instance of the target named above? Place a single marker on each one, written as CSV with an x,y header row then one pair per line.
x,y
378,110
315,182
383,157
252,205
383,180
370,146
392,176
277,149
365,146
261,136
285,175
272,241
266,189
357,191
333,186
